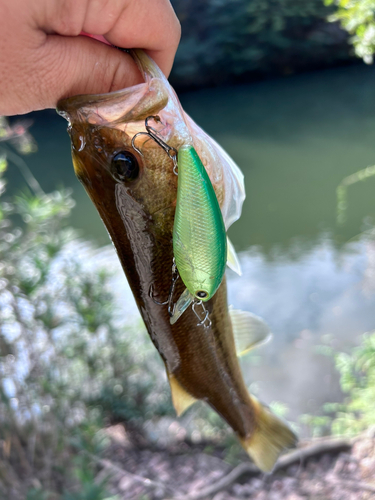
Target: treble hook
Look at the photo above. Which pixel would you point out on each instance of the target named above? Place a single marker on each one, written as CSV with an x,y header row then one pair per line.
x,y
169,301
151,295
202,322
151,132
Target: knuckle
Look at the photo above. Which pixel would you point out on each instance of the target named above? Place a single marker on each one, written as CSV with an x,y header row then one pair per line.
x,y
67,18
177,33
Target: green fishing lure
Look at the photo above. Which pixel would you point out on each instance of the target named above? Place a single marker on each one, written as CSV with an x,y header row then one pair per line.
x,y
200,244
199,237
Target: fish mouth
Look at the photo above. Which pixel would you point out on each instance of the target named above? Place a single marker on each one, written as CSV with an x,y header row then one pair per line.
x,y
121,106
82,100
115,108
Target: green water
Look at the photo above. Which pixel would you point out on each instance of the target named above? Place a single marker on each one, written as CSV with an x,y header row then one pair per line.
x,y
295,139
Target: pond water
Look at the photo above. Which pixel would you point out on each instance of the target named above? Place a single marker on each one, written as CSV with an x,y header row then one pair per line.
x,y
310,278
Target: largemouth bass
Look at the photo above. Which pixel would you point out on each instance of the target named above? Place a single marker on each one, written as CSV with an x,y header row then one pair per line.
x,y
135,193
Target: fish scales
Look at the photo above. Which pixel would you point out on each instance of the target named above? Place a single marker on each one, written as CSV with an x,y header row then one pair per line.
x,y
136,199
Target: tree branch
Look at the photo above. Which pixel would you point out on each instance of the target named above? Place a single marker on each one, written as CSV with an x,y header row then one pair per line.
x,y
107,464
300,455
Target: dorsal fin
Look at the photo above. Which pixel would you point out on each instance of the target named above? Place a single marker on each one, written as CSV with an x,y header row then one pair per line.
x,y
181,399
232,258
249,330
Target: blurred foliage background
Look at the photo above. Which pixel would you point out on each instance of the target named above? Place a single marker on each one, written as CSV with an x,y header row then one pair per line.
x,y
358,18
242,40
357,379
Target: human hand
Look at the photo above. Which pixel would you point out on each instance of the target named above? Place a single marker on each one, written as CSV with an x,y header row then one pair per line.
x,y
42,58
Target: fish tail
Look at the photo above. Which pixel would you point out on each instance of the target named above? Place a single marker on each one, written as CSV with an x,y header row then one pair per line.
x,y
271,436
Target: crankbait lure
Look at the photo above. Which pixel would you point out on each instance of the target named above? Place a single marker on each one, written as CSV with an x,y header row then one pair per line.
x,y
199,236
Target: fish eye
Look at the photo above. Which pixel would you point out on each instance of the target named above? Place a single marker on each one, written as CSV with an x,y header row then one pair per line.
x,y
201,294
124,167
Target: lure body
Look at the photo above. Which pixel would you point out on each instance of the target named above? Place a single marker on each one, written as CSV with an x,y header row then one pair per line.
x,y
199,237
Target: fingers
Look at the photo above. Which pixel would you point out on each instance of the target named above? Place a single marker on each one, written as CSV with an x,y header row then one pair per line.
x,y
43,60
67,66
89,67
151,25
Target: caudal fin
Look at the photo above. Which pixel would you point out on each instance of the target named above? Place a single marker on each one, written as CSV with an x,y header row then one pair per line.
x,y
269,440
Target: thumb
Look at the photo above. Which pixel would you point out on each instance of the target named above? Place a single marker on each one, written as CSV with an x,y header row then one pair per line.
x,y
66,66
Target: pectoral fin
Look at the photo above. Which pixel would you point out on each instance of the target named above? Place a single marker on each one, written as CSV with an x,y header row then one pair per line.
x,y
181,399
270,437
232,258
249,330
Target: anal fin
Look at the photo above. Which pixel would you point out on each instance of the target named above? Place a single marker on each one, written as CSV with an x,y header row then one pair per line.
x,y
181,399
232,258
270,438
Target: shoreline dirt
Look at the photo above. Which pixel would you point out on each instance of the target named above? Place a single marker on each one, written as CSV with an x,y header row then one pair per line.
x,y
321,469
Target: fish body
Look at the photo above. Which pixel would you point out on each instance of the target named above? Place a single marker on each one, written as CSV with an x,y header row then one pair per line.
x,y
136,197
199,237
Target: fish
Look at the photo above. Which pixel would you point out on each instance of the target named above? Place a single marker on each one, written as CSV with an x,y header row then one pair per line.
x,y
135,191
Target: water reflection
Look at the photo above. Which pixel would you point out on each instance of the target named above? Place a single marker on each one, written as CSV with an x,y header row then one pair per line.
x,y
325,295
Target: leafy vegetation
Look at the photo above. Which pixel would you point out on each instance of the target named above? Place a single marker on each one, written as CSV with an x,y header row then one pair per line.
x,y
69,363
357,372
358,18
357,380
342,190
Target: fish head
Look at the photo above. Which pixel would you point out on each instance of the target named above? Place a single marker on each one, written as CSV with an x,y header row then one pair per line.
x,y
106,159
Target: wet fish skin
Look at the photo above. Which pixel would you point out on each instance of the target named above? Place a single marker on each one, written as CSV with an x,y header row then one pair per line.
x,y
139,216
